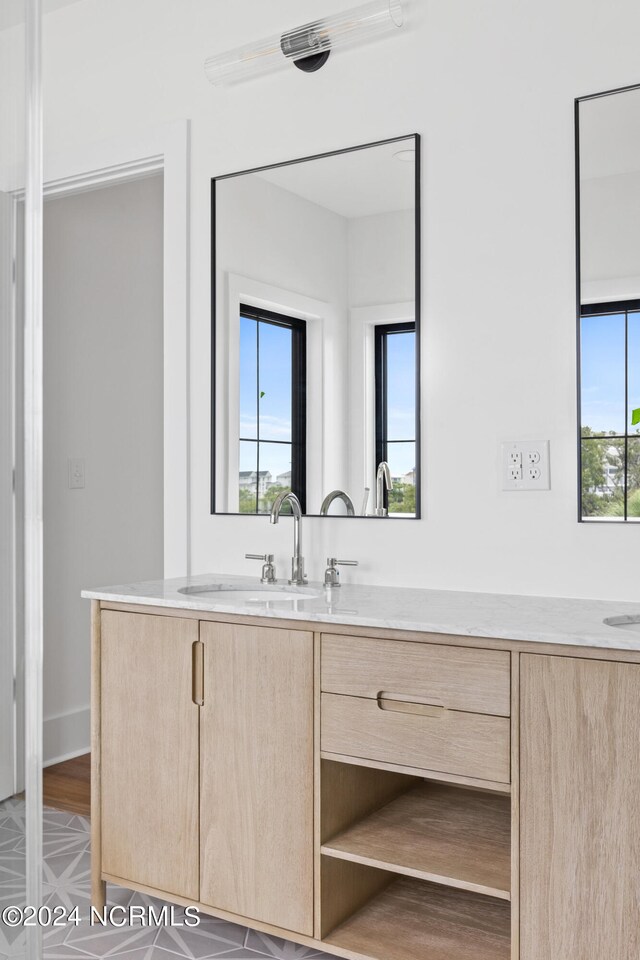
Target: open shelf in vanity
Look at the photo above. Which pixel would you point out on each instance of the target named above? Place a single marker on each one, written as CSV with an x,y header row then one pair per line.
x,y
438,833
412,919
413,868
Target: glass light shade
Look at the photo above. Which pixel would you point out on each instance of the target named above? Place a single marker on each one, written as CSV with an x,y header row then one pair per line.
x,y
311,42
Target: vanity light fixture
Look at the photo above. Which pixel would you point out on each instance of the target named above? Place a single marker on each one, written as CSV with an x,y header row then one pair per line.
x,y
308,46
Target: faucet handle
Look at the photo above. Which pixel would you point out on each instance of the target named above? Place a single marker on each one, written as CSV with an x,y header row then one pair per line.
x,y
331,575
268,569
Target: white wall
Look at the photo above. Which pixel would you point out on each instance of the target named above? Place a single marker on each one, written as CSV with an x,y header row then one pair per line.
x,y
490,86
12,106
103,403
382,259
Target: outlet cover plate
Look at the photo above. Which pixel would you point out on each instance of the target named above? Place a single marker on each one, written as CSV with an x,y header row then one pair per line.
x,y
533,456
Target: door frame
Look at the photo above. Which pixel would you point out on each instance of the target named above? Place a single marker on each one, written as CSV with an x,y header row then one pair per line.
x,y
164,149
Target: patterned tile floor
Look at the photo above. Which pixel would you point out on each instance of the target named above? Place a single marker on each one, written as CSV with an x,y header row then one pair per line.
x,y
66,881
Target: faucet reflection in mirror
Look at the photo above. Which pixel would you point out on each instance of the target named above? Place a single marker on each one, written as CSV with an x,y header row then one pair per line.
x,y
316,333
337,495
383,485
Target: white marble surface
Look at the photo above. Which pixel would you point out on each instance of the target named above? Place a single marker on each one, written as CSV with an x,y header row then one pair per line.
x,y
503,616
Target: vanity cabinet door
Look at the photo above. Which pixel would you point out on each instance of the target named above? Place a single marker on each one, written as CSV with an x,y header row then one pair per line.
x,y
579,817
149,751
256,803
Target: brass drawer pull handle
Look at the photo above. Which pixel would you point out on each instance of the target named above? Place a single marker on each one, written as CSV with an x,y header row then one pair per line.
x,y
197,672
400,703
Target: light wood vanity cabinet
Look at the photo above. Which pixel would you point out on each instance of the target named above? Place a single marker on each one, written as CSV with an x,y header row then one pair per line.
x,y
256,774
395,796
460,678
203,753
580,809
149,752
434,707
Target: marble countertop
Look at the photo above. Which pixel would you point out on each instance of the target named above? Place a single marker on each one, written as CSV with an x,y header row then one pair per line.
x,y
501,616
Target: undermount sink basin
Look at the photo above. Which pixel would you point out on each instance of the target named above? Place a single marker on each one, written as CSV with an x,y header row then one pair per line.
x,y
261,593
624,623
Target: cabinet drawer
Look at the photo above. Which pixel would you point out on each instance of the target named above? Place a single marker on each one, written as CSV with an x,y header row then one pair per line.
x,y
448,741
459,678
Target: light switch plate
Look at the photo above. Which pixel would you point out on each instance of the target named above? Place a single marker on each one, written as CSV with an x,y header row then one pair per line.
x,y
525,465
76,473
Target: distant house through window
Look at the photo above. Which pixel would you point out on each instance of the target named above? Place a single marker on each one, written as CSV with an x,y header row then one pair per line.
x,y
396,420
609,392
273,378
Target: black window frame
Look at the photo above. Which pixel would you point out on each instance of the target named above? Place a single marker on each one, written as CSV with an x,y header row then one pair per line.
x,y
608,308
382,332
298,442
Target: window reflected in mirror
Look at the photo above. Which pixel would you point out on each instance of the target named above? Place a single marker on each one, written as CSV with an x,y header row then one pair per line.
x,y
273,412
610,391
395,349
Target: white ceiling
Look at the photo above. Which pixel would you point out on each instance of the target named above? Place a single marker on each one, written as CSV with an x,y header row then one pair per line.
x,y
12,11
610,135
354,184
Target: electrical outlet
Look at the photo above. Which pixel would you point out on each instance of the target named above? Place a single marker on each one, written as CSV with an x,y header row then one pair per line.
x,y
525,465
76,473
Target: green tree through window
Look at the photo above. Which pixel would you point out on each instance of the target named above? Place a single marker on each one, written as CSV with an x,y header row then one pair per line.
x,y
610,411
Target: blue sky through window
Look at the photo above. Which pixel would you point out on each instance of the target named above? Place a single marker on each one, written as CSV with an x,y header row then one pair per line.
x,y
401,402
265,396
634,365
603,372
275,381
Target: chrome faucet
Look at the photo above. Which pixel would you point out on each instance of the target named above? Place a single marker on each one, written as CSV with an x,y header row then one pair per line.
x,y
331,575
268,568
383,478
337,495
297,561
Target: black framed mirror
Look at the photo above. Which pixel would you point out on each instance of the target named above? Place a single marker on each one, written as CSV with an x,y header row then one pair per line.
x,y
607,131
316,334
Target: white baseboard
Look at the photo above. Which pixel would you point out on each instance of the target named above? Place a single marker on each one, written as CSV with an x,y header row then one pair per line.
x,y
66,736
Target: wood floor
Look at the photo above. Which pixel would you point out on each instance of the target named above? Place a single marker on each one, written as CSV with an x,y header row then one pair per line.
x,y
67,786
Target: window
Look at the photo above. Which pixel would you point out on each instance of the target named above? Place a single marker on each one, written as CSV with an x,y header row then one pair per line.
x,y
273,374
609,392
395,364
